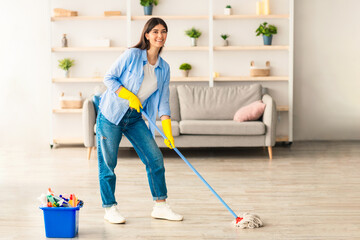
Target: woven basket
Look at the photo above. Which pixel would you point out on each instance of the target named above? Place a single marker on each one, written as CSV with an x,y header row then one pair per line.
x,y
258,71
60,12
71,102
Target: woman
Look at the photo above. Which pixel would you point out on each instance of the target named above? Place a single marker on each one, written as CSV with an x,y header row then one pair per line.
x,y
139,79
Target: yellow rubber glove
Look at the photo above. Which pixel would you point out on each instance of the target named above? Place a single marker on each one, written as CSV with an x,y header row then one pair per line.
x,y
166,124
134,101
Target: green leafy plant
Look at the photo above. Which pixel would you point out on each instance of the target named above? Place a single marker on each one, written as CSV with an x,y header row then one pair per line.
x,y
185,66
193,33
228,6
66,63
146,3
266,30
225,36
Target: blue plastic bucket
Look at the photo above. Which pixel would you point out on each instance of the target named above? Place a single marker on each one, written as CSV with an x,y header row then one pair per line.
x,y
61,222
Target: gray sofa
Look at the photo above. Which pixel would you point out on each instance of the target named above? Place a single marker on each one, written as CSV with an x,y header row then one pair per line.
x,y
203,117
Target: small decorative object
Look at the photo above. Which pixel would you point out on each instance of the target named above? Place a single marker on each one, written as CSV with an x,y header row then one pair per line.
x,y
185,68
216,74
71,101
267,31
148,6
263,7
64,41
60,12
259,71
65,64
227,10
259,8
194,34
112,13
266,7
225,37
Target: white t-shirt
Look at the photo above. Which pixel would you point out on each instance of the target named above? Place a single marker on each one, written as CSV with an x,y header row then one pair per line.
x,y
149,84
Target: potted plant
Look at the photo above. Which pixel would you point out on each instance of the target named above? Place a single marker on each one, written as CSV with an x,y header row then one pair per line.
x,y
148,5
225,37
65,64
227,10
267,31
185,68
194,34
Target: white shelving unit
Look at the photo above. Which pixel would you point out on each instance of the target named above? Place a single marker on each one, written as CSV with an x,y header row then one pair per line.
x,y
212,48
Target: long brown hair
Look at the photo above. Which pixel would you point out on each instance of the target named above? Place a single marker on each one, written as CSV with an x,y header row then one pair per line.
x,y
149,25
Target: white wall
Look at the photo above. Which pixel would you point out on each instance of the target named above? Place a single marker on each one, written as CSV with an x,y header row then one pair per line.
x,y
327,72
24,73
326,84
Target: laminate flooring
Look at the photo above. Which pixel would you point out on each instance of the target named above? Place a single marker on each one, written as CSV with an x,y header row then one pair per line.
x,y
310,190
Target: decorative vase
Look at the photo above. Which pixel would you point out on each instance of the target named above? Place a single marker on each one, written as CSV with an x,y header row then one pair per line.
x,y
148,10
64,41
66,73
267,39
185,73
225,42
227,11
193,42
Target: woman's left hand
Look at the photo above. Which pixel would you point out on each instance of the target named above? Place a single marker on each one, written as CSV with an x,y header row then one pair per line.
x,y
169,142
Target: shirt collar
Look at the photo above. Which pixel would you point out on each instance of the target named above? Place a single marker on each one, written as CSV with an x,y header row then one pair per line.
x,y
144,58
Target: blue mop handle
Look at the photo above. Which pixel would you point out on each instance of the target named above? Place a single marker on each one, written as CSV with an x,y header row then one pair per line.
x,y
192,168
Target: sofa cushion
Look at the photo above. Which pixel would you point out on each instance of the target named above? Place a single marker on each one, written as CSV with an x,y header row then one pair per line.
x,y
215,103
221,127
251,112
174,104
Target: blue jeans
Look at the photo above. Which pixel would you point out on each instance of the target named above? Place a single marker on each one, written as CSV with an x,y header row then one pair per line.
x,y
108,136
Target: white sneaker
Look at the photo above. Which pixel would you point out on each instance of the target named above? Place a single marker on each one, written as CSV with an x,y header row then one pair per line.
x,y
162,210
113,216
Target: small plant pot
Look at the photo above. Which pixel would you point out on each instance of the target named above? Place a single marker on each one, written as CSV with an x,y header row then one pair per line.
x,y
225,43
267,40
193,42
66,73
148,10
185,73
227,11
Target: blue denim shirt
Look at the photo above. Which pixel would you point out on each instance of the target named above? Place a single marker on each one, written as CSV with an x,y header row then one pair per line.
x,y
128,71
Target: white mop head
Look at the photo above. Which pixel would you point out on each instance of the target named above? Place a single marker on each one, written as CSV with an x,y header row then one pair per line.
x,y
249,221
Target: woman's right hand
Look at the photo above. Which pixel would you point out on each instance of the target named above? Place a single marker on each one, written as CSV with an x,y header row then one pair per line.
x,y
134,101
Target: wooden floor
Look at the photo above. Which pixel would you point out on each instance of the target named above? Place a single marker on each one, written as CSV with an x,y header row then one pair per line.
x,y
308,191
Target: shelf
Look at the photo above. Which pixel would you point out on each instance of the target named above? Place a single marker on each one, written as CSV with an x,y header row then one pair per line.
x,y
183,79
77,110
282,108
101,79
283,16
189,79
261,47
180,17
120,49
171,17
197,48
54,19
68,141
88,49
251,79
282,139
77,80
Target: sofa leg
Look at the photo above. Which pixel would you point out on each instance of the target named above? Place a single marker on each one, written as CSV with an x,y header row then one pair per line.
x,y
270,152
89,152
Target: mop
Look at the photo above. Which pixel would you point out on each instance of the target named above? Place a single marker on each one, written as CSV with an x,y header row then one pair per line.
x,y
247,220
